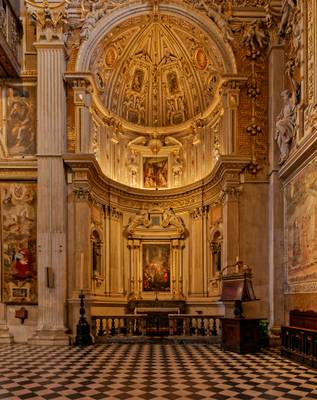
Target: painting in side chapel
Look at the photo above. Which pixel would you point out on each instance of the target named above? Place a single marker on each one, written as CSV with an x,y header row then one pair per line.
x,y
155,172
156,267
301,230
18,221
21,120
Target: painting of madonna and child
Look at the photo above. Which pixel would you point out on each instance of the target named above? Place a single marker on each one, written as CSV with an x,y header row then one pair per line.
x,y
156,267
155,172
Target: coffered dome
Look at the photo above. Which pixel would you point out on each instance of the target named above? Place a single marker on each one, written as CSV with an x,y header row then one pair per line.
x,y
157,70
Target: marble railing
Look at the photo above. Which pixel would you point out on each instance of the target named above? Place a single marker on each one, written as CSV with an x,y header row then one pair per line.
x,y
10,36
144,324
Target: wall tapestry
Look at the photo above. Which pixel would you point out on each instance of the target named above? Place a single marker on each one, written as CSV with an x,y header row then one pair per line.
x,y
301,230
155,172
156,267
21,120
18,217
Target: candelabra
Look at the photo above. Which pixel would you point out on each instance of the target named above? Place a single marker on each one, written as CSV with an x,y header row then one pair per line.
x,y
83,337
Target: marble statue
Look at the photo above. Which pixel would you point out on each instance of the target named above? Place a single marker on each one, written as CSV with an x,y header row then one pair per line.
x,y
285,126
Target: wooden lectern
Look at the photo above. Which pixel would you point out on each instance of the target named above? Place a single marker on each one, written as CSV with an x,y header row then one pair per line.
x,y
239,334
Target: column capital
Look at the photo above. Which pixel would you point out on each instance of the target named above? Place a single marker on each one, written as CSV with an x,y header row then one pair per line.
x,y
230,193
49,20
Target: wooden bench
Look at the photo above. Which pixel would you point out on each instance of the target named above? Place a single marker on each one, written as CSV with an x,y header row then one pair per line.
x,y
299,339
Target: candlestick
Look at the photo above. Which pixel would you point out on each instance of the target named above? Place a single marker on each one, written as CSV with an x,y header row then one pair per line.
x,y
81,272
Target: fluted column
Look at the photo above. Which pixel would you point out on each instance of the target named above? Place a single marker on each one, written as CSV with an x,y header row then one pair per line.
x,y
51,217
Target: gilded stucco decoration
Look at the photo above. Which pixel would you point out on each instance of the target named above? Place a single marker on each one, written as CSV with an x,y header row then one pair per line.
x,y
157,71
50,20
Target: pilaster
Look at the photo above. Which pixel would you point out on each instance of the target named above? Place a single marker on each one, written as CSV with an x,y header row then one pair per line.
x,y
276,205
230,200
51,215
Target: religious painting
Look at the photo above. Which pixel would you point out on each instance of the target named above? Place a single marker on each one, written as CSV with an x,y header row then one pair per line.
x,y
138,79
155,172
18,221
21,120
156,267
301,230
172,82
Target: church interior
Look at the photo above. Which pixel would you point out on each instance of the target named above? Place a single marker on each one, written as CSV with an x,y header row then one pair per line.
x,y
158,181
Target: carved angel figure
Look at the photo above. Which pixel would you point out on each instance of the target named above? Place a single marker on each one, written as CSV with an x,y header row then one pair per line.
x,y
141,218
170,218
287,7
255,36
285,126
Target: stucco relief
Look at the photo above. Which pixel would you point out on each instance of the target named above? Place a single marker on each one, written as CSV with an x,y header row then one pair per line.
x,y
301,229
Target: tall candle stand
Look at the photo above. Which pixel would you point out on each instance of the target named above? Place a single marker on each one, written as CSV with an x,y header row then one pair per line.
x,y
83,337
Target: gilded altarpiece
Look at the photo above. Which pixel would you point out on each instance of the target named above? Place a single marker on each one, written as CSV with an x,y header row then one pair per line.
x,y
301,230
156,242
18,224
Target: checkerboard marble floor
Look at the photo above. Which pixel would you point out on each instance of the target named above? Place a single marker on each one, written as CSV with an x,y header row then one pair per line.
x,y
149,372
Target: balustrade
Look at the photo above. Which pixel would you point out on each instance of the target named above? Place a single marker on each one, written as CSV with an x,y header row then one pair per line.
x,y
179,325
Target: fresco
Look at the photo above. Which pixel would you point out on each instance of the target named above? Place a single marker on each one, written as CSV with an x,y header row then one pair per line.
x,y
156,267
18,221
301,230
155,172
21,120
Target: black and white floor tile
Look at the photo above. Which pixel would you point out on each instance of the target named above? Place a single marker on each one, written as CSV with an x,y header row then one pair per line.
x,y
149,372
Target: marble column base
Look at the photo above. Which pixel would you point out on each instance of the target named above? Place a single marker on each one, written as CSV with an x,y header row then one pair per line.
x,y
50,338
5,336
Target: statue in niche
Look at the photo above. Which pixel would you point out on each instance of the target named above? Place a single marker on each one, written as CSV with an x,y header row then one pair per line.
x,y
285,126
287,7
138,80
133,167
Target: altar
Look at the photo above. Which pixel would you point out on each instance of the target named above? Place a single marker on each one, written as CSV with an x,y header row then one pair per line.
x,y
156,314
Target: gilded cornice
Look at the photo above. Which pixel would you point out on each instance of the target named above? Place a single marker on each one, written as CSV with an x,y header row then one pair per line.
x,y
86,171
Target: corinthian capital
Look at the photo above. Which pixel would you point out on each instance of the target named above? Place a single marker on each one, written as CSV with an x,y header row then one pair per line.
x,y
49,19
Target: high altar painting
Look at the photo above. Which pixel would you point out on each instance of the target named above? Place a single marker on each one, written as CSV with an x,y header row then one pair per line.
x,y
155,172
18,217
21,120
301,230
156,267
